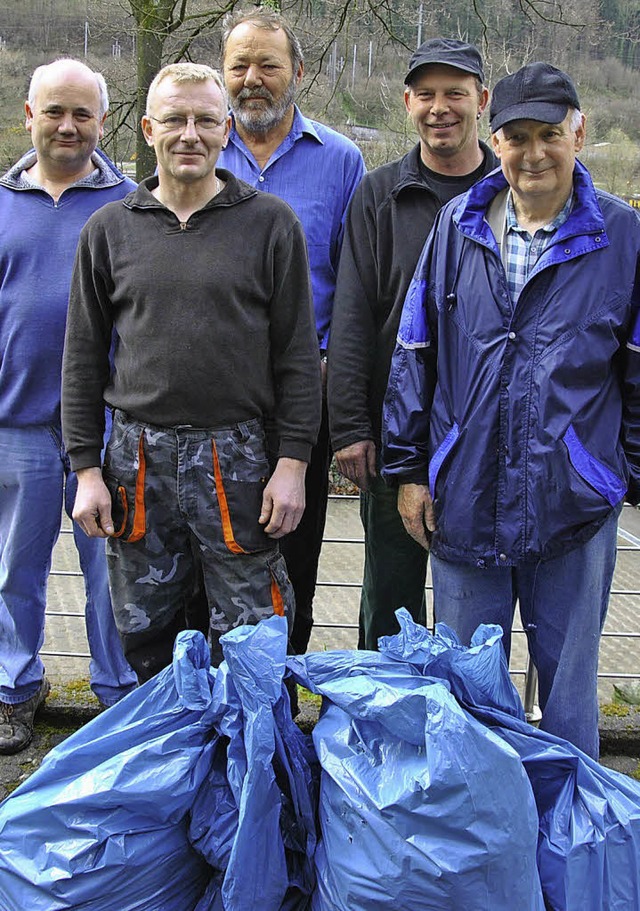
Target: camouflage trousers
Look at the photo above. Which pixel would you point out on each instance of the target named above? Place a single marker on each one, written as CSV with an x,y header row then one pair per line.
x,y
179,493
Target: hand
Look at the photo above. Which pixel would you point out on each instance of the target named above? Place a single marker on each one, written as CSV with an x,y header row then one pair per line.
x,y
358,462
417,512
92,508
283,498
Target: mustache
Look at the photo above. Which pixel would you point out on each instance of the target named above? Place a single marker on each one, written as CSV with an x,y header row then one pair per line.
x,y
259,91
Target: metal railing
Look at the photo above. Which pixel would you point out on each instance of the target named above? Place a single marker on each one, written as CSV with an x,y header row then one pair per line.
x,y
631,547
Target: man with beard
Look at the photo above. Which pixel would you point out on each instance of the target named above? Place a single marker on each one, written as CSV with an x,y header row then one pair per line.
x,y
273,147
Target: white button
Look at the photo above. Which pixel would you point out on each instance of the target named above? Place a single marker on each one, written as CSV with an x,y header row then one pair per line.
x,y
261,178
503,557
512,335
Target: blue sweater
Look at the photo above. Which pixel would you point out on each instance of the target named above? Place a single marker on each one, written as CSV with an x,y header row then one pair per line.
x,y
37,250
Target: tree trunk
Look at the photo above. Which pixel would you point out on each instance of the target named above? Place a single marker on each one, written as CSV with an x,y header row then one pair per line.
x,y
153,18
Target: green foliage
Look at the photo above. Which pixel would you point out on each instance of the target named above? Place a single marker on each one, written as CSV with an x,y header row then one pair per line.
x,y
613,710
597,41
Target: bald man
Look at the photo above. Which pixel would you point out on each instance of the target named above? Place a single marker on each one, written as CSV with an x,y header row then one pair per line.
x,y
45,199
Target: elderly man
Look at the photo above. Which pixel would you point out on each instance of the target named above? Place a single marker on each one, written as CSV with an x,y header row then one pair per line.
x,y
514,464
389,219
315,170
214,336
45,199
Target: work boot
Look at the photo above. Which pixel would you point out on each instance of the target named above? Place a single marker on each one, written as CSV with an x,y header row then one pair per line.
x,y
16,721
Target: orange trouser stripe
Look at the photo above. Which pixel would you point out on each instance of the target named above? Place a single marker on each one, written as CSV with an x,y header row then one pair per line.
x,y
227,528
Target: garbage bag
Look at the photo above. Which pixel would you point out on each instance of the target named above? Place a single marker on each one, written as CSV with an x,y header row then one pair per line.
x,y
255,820
421,806
102,824
589,816
195,791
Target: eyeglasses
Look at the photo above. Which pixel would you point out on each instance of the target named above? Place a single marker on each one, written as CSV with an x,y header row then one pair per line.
x,y
178,122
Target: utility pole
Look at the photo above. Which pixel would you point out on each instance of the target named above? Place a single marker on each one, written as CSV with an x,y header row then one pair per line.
x,y
420,10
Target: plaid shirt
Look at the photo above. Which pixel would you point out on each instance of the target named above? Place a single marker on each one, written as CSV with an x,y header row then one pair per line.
x,y
523,250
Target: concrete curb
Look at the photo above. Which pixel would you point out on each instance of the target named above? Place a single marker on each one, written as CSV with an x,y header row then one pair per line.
x,y
619,733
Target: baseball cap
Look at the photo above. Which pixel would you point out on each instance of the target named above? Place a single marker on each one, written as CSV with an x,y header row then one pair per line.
x,y
538,91
449,51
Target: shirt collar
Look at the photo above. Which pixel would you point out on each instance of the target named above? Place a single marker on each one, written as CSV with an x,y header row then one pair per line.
x,y
301,126
511,221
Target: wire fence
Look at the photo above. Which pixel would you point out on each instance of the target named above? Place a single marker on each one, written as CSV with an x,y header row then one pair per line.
x,y
338,593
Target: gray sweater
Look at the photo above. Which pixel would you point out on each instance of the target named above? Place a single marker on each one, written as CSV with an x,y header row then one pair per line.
x,y
213,320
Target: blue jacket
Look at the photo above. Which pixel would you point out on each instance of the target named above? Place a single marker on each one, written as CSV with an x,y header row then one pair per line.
x,y
524,421
38,240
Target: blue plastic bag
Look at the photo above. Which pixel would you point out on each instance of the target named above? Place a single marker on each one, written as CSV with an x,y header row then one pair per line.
x,y
589,816
421,807
260,829
195,791
103,822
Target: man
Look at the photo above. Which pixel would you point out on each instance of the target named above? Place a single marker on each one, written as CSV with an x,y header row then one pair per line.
x,y
45,199
514,466
214,334
315,170
389,219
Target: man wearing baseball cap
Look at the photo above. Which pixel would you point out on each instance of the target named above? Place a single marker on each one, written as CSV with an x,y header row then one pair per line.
x,y
512,417
389,219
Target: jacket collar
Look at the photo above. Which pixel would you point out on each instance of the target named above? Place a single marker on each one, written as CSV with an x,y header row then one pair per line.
x,y
585,218
411,173
106,174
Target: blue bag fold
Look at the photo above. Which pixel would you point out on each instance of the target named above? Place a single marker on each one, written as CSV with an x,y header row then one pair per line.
x,y
421,806
102,824
262,842
589,816
196,791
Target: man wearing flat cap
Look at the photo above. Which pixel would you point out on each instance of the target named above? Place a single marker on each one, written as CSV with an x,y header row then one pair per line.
x,y
389,219
513,464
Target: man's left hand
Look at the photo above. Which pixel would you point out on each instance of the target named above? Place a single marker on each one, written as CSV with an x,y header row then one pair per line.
x,y
283,498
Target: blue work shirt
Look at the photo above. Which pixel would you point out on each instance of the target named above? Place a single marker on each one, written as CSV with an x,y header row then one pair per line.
x,y
316,171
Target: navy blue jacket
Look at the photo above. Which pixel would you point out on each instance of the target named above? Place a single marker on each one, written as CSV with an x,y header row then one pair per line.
x,y
530,435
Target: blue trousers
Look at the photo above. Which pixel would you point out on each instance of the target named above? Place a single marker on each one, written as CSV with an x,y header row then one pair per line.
x,y
563,605
33,469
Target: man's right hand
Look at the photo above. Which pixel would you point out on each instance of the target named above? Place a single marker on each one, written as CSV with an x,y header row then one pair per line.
x,y
417,512
92,508
358,462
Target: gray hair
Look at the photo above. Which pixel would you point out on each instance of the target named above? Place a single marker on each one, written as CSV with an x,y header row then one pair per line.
x,y
266,18
188,73
40,72
575,122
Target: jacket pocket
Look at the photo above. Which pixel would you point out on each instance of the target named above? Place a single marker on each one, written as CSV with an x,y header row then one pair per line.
x,y
598,476
441,453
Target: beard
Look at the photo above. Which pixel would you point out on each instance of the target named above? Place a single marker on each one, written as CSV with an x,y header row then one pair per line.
x,y
266,117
